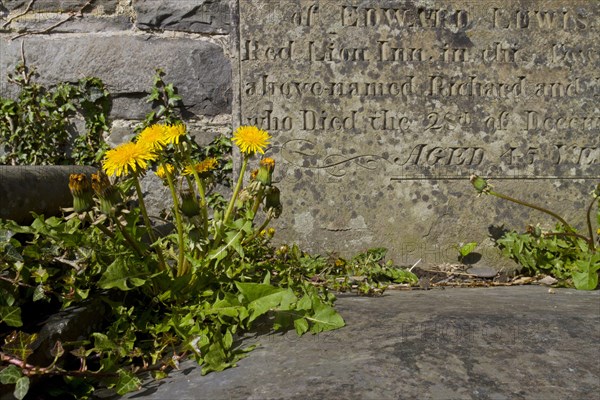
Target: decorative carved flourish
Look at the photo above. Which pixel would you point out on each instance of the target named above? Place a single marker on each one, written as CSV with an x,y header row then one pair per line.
x,y
303,153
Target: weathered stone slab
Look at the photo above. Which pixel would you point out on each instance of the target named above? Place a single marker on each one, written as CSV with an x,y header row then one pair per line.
x,y
43,189
60,6
202,16
127,65
380,111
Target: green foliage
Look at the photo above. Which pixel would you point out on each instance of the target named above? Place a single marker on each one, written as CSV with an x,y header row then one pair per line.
x,y
37,127
569,256
164,98
188,293
366,273
466,249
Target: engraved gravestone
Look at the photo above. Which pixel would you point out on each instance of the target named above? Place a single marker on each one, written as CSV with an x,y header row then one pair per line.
x,y
381,110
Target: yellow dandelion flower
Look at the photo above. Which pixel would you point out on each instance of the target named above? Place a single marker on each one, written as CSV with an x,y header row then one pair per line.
x,y
203,166
250,139
172,133
128,157
162,170
153,137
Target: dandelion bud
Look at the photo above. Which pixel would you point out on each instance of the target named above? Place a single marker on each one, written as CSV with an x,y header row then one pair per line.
x,y
81,190
480,184
265,171
107,194
189,204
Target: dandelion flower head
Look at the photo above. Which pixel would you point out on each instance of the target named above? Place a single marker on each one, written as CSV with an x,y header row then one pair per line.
x,y
162,170
126,158
203,166
153,137
251,140
172,133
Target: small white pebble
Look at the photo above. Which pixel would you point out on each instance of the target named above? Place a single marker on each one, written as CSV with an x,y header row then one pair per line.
x,y
551,291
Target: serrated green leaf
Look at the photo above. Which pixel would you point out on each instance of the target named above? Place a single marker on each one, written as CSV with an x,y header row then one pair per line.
x,y
263,298
301,326
215,359
11,316
21,388
305,303
119,274
10,375
325,318
585,275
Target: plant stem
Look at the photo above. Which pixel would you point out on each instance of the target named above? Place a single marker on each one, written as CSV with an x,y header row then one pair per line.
x,y
562,234
203,206
138,189
524,203
236,191
128,238
589,224
257,232
181,259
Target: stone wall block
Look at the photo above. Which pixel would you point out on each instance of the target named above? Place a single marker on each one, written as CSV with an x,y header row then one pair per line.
x,y
127,64
60,6
201,16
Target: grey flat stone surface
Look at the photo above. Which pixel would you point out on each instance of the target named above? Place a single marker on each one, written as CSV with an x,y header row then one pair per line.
x,y
480,343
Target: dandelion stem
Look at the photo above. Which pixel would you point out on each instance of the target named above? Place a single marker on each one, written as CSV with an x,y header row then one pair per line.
x,y
181,260
589,224
147,222
237,189
202,192
524,203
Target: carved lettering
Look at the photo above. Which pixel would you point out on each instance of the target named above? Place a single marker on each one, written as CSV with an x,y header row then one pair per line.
x,y
405,17
424,154
537,121
322,120
444,86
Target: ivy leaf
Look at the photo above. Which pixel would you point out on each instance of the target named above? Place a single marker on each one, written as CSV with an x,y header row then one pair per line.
x,y
127,382
10,375
39,293
11,315
21,388
19,344
102,342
